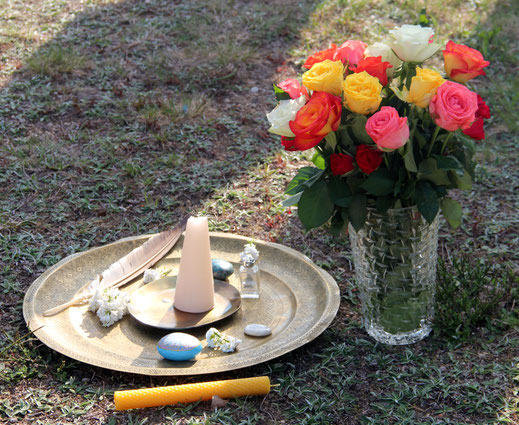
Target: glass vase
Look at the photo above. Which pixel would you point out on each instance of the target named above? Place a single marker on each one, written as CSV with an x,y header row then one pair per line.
x,y
395,256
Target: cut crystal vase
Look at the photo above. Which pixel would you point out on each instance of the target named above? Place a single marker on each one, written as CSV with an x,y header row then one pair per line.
x,y
395,256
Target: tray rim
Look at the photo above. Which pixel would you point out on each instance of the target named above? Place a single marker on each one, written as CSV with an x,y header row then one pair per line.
x,y
329,313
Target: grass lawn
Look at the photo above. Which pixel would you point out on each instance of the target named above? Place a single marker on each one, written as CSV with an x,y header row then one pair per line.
x,y
119,117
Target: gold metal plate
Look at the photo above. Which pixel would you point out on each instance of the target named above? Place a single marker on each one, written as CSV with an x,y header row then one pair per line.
x,y
152,305
298,301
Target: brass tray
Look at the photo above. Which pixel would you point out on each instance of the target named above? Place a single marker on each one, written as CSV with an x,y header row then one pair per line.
x,y
298,301
152,305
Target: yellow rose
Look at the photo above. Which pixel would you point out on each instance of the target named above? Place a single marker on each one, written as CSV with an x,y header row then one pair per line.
x,y
362,93
325,76
423,87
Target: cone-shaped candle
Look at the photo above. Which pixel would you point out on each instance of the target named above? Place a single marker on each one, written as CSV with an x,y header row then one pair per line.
x,y
195,287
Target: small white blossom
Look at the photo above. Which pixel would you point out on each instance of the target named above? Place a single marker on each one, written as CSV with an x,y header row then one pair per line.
x,y
219,340
250,249
111,305
150,275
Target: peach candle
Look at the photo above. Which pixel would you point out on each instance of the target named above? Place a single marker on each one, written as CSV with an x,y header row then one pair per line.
x,y
194,292
188,393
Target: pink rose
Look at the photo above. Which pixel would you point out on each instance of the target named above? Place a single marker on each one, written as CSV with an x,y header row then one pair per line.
x,y
387,129
454,106
293,88
351,51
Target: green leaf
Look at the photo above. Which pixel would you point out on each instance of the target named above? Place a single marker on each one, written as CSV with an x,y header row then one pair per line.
x,y
422,141
464,182
339,191
319,161
357,211
339,223
428,170
383,203
379,183
293,200
427,200
281,94
447,162
359,129
409,161
452,212
305,177
409,190
315,206
331,141
469,143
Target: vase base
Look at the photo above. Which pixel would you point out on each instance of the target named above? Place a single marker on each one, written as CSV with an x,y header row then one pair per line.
x,y
402,338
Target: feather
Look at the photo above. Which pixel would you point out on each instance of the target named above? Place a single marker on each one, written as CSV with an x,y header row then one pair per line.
x,y
128,267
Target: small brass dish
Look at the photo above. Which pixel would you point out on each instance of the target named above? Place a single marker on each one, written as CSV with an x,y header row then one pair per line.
x,y
152,305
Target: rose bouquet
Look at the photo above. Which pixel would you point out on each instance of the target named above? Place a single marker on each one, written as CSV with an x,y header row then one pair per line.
x,y
388,132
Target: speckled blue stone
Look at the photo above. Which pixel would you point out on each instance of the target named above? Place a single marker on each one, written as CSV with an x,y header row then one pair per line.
x,y
222,269
179,346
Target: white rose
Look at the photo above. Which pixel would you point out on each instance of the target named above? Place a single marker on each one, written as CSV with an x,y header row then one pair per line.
x,y
381,49
411,43
286,111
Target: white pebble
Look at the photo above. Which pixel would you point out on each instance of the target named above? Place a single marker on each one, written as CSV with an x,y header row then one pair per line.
x,y
254,90
256,329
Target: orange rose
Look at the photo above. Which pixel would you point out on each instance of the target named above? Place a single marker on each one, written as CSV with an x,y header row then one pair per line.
x,y
462,63
321,56
320,116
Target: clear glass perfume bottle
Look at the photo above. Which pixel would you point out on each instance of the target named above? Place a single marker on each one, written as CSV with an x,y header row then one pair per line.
x,y
249,273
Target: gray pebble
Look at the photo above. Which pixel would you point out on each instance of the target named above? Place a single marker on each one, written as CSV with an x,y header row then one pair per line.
x,y
256,329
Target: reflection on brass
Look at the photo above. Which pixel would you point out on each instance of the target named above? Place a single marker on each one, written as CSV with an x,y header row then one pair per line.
x,y
153,305
298,301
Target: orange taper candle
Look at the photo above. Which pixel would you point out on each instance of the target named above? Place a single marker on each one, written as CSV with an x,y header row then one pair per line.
x,y
188,393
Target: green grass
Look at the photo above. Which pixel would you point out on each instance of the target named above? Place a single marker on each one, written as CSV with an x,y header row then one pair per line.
x,y
118,117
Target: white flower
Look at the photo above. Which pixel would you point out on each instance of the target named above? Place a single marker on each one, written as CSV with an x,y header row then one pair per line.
x,y
108,317
381,49
411,43
111,305
230,346
219,340
150,275
249,255
285,111
211,336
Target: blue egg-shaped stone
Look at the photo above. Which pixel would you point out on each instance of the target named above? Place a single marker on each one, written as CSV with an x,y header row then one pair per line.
x,y
222,269
179,346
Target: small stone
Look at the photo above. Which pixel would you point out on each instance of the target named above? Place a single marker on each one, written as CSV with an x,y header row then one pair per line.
x,y
254,90
222,269
256,329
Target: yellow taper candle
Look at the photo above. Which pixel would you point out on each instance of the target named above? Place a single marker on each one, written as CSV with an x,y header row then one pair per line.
x,y
188,393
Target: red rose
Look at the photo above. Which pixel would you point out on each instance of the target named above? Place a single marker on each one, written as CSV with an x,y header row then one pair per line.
x,y
462,63
368,158
476,130
288,143
293,88
320,116
341,163
374,66
321,56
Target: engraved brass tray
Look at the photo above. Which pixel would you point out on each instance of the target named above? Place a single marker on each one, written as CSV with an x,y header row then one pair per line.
x,y
298,301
